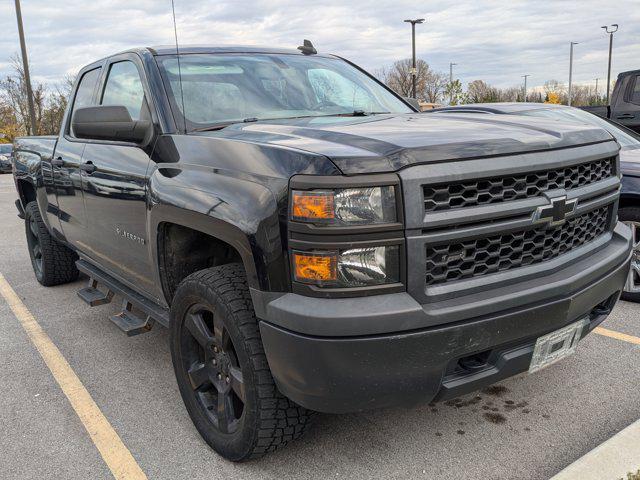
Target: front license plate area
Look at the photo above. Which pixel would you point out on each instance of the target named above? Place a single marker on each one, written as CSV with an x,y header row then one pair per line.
x,y
555,346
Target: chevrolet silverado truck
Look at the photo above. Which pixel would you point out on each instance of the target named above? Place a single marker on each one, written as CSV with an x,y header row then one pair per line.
x,y
625,101
311,241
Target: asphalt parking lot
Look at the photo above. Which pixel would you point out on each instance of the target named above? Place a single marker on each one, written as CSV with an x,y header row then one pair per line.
x,y
530,426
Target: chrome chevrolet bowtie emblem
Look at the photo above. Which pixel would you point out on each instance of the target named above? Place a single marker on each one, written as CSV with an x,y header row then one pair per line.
x,y
556,212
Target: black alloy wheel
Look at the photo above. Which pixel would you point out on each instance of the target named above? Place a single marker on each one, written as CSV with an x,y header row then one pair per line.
x,y
222,370
53,263
211,362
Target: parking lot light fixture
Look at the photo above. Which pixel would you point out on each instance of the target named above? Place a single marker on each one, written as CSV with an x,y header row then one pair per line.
x,y
525,86
451,65
27,76
570,69
413,52
610,29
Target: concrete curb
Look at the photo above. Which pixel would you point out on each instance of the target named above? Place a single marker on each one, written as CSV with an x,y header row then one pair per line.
x,y
611,460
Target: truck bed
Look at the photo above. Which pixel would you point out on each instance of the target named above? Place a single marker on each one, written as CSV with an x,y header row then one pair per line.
x,y
600,110
43,145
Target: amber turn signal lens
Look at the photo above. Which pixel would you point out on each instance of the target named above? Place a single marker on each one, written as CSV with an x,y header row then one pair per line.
x,y
310,206
312,268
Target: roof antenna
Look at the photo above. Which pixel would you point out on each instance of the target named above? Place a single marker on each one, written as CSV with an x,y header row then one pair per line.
x,y
175,32
307,47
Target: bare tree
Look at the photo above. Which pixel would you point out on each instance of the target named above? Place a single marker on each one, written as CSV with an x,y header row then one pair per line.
x,y
56,104
510,94
429,84
479,91
49,105
435,84
13,91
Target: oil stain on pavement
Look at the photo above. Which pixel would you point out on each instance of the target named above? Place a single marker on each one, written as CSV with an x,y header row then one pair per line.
x,y
492,403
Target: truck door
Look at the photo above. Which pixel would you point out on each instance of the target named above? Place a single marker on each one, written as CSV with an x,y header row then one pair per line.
x,y
627,108
65,164
114,182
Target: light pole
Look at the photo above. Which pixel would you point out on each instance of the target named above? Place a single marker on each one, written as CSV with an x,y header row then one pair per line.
x,y
570,69
413,50
451,65
525,86
610,29
25,66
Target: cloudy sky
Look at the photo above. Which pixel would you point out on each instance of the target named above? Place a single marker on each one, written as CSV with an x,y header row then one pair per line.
x,y
496,41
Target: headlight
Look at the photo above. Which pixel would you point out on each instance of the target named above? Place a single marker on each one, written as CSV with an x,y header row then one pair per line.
x,y
345,206
355,267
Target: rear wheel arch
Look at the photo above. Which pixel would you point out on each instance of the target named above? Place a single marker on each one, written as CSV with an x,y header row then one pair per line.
x,y
629,200
53,263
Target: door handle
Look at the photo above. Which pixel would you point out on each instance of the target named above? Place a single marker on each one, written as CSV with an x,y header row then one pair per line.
x,y
88,167
625,116
57,162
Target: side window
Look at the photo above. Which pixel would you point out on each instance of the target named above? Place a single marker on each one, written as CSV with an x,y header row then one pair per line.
x,y
331,87
124,87
84,94
635,93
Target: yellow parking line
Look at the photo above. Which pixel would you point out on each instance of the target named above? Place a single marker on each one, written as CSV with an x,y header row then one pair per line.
x,y
114,453
620,336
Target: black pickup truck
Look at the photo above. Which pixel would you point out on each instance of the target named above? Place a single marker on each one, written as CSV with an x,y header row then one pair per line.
x,y
311,241
624,107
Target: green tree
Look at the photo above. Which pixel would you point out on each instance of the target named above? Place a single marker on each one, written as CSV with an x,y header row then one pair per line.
x,y
453,92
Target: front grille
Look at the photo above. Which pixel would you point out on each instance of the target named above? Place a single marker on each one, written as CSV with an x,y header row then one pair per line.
x,y
485,191
496,253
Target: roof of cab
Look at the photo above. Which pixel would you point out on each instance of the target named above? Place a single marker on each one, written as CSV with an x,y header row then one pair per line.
x,y
188,49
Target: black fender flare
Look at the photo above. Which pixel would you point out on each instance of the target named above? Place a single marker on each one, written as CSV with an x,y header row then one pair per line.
x,y
237,211
630,190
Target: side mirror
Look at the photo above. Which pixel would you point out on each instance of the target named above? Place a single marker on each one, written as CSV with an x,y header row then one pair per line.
x,y
413,102
109,122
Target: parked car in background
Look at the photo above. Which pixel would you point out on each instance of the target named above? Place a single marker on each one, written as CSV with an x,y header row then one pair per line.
x,y
6,150
625,101
629,142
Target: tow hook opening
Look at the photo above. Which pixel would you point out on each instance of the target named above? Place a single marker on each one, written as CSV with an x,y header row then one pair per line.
x,y
475,362
603,308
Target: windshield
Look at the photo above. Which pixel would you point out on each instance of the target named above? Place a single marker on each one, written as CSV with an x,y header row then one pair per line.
x,y
625,139
5,149
227,88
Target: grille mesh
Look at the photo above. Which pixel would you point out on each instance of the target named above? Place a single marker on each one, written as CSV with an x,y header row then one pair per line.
x,y
516,187
497,253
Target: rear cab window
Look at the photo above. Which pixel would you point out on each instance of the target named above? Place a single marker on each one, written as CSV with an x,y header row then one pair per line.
x,y
84,93
635,92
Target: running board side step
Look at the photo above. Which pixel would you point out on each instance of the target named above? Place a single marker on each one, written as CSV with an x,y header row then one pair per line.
x,y
127,321
94,297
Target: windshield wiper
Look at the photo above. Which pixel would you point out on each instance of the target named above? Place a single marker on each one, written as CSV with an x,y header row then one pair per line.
x,y
355,113
220,126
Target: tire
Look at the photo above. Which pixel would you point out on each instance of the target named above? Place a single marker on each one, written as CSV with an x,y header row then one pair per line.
x,y
217,350
631,216
53,263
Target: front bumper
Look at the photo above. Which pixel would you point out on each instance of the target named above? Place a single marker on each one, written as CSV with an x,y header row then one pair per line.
x,y
323,361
